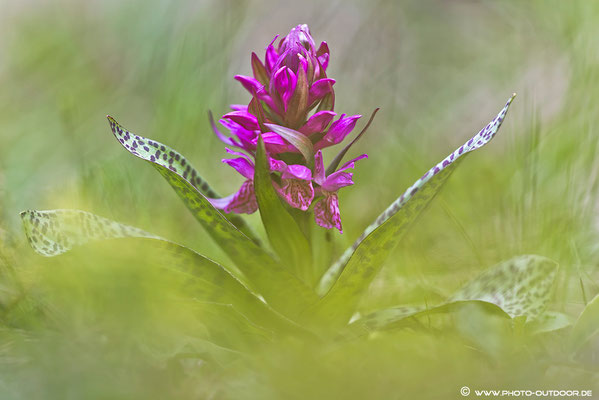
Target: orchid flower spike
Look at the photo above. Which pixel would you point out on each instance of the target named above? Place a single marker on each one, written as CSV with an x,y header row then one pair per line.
x,y
292,101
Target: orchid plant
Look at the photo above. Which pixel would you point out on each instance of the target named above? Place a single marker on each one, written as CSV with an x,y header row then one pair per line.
x,y
275,143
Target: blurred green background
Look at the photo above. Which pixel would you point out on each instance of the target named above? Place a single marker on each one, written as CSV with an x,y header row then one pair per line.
x,y
439,70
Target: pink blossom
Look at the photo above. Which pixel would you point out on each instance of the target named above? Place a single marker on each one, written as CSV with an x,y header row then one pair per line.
x,y
289,89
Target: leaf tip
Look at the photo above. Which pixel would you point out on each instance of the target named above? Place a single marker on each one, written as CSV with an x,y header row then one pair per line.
x,y
112,122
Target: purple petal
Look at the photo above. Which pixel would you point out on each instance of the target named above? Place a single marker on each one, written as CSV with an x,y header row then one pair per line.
x,y
324,61
317,123
320,88
319,176
225,139
297,192
338,131
242,201
277,165
290,88
298,38
237,129
283,85
243,118
339,178
351,163
303,62
271,56
237,153
250,84
297,42
239,107
276,144
296,171
241,165
273,138
323,55
326,212
316,68
247,138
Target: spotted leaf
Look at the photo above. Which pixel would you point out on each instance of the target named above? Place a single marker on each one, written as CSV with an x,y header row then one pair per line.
x,y
55,232
519,287
270,279
349,277
549,321
163,156
396,317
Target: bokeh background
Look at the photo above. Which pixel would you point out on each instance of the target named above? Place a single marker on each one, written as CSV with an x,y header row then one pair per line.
x,y
439,71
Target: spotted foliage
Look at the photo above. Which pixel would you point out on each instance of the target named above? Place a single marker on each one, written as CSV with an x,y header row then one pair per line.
x,y
54,232
356,268
384,319
519,287
267,277
397,317
410,204
549,321
162,156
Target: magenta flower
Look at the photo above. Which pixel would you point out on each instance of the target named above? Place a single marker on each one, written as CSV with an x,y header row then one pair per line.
x,y
290,91
296,185
292,80
326,210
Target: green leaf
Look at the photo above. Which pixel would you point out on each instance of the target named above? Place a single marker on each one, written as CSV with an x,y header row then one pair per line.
x,y
283,232
349,277
230,328
297,139
388,318
586,326
402,316
519,287
278,286
162,156
549,321
55,232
